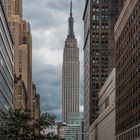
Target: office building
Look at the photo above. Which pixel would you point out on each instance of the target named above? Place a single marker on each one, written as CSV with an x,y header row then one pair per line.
x,y
99,51
21,34
70,73
13,7
6,64
24,63
127,38
80,132
103,128
73,125
35,104
20,96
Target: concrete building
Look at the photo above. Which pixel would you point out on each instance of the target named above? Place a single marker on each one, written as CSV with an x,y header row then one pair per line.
x,y
15,21
103,128
73,125
80,132
21,33
20,97
70,73
35,104
61,131
127,38
99,51
13,7
6,64
24,64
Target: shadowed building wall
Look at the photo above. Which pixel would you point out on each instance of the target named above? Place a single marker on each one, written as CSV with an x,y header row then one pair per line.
x,y
99,51
127,38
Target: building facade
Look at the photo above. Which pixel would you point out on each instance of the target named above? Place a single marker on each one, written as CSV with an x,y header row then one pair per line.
x,y
127,38
20,96
35,104
73,125
6,64
22,38
80,132
70,73
103,128
13,7
24,64
61,127
99,51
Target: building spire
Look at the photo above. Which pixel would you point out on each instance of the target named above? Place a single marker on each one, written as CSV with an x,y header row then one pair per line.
x,y
71,22
70,8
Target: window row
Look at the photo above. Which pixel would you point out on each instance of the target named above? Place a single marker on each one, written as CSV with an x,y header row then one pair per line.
x,y
100,53
102,36
131,134
98,17
104,26
98,77
104,69
98,1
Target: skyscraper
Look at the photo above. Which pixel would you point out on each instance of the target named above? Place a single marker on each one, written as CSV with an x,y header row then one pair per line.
x,y
70,72
21,33
99,51
127,38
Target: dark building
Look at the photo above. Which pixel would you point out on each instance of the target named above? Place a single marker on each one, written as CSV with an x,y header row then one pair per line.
x,y
99,18
6,64
127,38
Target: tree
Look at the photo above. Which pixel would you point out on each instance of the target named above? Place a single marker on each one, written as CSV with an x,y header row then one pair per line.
x,y
51,136
18,125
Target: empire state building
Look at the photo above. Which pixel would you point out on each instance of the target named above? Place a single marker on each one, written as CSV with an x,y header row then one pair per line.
x,y
70,72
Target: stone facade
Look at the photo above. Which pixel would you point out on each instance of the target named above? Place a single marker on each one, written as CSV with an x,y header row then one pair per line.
x,y
13,7
6,64
22,38
99,51
35,103
70,74
103,127
61,131
127,38
20,97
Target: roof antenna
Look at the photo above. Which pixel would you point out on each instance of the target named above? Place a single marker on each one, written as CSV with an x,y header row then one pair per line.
x,y
70,8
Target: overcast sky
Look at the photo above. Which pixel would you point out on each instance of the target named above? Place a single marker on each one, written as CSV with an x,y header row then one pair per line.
x,y
49,23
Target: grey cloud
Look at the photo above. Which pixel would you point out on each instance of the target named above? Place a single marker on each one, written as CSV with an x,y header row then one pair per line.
x,y
49,86
44,14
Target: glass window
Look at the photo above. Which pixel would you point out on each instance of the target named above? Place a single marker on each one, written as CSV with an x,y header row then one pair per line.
x,y
105,17
105,9
104,26
105,1
96,17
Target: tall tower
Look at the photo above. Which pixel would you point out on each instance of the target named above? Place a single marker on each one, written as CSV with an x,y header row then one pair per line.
x,y
70,72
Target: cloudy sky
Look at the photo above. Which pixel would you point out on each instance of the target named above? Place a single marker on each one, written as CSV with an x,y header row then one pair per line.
x,y
49,23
